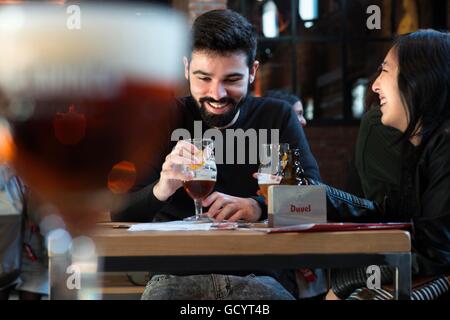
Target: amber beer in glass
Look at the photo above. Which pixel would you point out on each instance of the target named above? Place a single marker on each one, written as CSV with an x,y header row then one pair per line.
x,y
88,106
273,160
199,189
204,176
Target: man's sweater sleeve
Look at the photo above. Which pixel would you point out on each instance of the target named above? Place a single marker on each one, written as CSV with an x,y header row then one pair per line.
x,y
139,206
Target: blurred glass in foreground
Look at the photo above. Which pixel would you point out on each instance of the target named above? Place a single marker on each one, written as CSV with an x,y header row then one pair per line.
x,y
87,96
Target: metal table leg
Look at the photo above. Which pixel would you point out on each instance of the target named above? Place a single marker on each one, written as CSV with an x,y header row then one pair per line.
x,y
403,278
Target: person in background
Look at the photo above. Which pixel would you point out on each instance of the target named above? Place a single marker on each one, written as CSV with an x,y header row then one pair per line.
x,y
293,100
31,281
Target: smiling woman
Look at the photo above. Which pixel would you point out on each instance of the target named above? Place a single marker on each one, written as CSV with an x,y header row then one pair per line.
x,y
394,111
413,89
415,105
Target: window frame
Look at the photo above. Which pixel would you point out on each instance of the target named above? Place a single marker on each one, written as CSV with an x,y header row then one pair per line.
x,y
343,39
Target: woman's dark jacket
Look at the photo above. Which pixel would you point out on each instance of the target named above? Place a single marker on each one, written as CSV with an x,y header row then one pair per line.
x,y
423,199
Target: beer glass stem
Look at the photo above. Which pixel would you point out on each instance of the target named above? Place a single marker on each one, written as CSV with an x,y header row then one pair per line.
x,y
198,208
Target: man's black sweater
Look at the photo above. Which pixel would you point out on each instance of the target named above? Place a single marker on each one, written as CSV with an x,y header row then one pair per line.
x,y
232,179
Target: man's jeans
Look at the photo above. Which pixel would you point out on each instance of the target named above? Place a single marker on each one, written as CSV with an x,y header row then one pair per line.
x,y
214,287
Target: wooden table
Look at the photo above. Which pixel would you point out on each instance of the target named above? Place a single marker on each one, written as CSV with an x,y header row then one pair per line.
x,y
121,250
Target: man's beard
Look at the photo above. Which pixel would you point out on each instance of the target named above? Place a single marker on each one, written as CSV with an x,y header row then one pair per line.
x,y
218,120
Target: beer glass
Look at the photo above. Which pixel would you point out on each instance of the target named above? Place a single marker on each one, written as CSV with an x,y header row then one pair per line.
x,y
204,176
88,98
273,159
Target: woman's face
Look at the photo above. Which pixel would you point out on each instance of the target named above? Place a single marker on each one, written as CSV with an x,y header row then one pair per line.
x,y
386,86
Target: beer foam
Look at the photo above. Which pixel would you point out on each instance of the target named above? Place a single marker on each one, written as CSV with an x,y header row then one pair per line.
x,y
44,50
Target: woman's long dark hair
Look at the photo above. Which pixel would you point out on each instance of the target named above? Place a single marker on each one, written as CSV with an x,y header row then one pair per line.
x,y
424,79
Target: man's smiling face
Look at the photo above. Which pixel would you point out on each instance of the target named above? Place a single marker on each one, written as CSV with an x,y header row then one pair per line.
x,y
218,83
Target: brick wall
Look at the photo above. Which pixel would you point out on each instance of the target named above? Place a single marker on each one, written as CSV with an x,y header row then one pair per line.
x,y
333,148
197,7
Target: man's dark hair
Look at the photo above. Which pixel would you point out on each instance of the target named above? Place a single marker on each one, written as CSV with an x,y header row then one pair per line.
x,y
224,32
424,79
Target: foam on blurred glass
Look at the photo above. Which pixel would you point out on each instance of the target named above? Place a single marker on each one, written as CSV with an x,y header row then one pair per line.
x,y
88,102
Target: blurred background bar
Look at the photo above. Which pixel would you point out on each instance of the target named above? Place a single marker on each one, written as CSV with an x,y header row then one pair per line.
x,y
324,53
